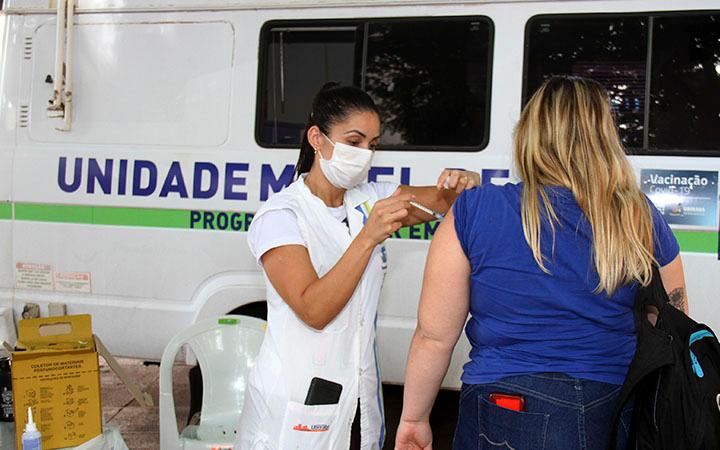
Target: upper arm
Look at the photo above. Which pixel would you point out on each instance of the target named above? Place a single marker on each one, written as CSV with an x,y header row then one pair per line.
x,y
291,272
445,298
667,254
275,239
673,278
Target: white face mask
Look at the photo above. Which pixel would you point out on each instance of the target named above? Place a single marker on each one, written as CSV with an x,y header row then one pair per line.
x,y
348,166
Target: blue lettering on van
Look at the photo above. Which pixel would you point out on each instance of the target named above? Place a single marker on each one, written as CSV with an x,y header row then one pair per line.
x,y
430,228
62,175
151,169
220,220
405,176
145,178
102,177
415,232
268,180
202,168
142,178
174,182
487,175
231,180
122,177
194,218
376,171
423,231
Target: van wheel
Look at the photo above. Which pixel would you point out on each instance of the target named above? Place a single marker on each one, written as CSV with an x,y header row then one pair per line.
x,y
255,309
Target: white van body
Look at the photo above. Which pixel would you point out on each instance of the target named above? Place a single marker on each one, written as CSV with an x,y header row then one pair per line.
x,y
173,85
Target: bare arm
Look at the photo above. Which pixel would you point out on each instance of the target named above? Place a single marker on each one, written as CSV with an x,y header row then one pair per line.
x,y
437,197
673,278
442,313
318,300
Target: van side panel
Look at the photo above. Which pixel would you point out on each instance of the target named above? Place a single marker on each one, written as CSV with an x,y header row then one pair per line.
x,y
139,213
9,115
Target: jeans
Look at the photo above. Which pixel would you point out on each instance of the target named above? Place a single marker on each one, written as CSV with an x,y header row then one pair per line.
x,y
562,413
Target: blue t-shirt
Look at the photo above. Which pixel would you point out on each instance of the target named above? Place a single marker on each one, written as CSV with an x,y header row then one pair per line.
x,y
523,320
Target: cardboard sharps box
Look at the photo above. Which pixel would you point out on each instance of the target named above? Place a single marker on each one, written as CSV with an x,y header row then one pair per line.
x,y
55,371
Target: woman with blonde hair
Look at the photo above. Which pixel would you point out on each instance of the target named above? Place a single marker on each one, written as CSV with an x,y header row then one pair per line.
x,y
548,269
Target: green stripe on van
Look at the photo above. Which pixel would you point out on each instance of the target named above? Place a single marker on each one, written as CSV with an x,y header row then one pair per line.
x,y
690,241
53,213
5,211
697,241
133,217
139,217
104,215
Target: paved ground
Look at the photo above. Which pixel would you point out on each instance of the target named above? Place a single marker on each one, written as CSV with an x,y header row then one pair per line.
x,y
140,426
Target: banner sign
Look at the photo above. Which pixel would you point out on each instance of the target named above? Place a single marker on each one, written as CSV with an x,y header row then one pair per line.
x,y
684,197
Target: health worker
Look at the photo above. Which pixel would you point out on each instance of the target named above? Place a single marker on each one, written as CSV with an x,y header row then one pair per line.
x,y
319,242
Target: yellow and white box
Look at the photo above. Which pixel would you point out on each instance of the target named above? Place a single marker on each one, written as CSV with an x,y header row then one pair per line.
x,y
55,371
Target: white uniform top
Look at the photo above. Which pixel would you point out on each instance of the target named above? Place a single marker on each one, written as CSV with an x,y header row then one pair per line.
x,y
274,414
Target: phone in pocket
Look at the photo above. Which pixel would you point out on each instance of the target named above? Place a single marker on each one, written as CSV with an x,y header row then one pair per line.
x,y
508,401
323,392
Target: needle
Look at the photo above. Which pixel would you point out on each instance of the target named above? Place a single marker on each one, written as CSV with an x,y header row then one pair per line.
x,y
427,210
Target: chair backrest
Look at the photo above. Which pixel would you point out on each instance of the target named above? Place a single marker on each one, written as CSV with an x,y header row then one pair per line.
x,y
226,348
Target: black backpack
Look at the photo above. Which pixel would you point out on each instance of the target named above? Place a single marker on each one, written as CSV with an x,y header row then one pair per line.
x,y
674,379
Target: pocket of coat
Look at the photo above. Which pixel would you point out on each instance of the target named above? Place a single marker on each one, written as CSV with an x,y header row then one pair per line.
x,y
308,427
504,429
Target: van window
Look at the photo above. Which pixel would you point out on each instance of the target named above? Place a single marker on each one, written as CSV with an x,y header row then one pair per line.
x,y
430,78
685,86
298,61
662,72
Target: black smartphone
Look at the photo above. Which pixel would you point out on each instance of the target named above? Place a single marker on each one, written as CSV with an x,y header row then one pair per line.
x,y
323,392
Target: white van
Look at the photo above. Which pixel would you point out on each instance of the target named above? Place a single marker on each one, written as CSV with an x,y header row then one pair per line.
x,y
138,138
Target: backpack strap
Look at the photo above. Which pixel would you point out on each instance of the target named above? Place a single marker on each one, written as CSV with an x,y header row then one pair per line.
x,y
654,294
653,347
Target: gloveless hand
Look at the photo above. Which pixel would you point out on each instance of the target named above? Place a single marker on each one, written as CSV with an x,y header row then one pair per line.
x,y
386,217
413,436
458,180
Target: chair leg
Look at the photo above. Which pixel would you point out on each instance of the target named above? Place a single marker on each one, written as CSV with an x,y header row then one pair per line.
x,y
196,392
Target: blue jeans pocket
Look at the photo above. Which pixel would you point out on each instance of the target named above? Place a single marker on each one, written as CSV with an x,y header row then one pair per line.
x,y
504,429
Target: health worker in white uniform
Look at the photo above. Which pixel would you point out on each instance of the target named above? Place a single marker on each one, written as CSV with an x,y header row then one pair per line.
x,y
316,383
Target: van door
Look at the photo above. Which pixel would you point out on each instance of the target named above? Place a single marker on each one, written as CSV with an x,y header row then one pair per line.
x,y
107,204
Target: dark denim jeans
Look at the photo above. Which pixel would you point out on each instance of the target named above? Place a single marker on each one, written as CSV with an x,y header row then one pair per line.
x,y
562,413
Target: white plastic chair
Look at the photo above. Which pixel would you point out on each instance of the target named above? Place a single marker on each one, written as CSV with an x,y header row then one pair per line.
x,y
225,348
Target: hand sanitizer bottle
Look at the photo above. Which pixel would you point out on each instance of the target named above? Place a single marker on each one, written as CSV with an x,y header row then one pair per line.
x,y
31,437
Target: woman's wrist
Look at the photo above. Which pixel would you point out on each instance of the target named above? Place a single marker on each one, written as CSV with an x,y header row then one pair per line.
x,y
415,420
365,242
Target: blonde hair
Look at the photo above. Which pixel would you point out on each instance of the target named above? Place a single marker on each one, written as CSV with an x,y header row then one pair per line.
x,y
567,137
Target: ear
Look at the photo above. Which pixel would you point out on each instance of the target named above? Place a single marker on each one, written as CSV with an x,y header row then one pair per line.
x,y
315,137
